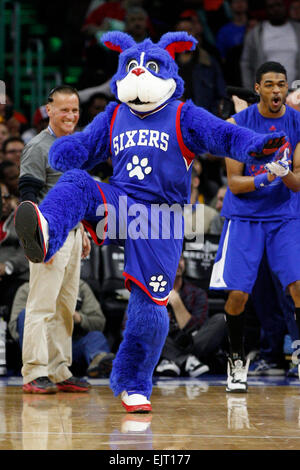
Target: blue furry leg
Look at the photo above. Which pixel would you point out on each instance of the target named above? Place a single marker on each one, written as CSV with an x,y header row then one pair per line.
x,y
145,333
74,198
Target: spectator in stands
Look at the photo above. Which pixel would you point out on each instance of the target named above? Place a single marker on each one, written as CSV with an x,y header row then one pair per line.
x,y
14,269
14,120
195,222
103,17
276,39
294,10
232,33
90,349
4,134
230,39
194,336
96,104
98,18
217,13
216,225
201,28
12,149
208,172
9,175
138,25
204,82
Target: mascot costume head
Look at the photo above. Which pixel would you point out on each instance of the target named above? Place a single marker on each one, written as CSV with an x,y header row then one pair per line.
x,y
147,75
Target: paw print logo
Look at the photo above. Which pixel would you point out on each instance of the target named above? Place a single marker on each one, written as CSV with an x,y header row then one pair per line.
x,y
157,283
138,168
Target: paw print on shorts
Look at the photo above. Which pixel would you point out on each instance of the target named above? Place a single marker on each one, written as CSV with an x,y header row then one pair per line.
x,y
138,168
157,283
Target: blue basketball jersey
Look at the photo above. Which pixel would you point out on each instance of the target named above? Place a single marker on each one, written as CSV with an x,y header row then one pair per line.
x,y
275,201
150,161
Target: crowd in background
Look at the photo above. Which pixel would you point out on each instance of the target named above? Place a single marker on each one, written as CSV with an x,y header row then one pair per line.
x,y
234,37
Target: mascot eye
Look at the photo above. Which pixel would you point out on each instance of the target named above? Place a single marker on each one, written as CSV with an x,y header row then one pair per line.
x,y
153,66
131,65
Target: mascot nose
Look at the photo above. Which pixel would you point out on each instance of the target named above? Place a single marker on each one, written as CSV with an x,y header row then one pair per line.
x,y
138,71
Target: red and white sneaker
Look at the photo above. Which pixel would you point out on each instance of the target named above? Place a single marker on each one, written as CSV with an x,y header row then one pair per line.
x,y
135,403
32,230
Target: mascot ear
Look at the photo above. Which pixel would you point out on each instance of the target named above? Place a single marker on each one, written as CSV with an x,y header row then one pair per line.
x,y
117,41
177,42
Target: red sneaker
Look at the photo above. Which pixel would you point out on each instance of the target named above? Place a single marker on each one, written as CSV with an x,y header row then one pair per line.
x,y
40,385
135,403
73,384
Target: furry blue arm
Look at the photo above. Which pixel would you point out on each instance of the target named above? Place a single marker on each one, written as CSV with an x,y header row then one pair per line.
x,y
84,149
204,132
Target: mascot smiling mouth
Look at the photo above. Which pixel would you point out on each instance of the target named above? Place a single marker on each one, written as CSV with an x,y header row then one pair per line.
x,y
138,102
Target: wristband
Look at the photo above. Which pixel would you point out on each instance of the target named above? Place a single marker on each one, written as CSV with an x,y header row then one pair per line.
x,y
261,180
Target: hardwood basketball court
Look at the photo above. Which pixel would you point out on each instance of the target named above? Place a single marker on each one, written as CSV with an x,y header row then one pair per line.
x,y
188,414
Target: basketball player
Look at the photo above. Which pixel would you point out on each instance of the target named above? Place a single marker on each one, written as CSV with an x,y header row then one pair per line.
x,y
262,211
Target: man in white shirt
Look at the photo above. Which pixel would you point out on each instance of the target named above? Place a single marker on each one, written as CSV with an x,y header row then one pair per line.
x,y
276,39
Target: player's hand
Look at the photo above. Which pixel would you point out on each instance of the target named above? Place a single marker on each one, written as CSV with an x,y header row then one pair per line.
x,y
293,99
271,146
279,168
239,104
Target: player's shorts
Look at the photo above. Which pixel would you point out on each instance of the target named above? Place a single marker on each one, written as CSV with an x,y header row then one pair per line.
x,y
241,248
152,237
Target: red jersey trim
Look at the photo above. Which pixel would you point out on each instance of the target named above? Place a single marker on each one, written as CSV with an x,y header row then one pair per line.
x,y
89,226
112,124
186,153
129,278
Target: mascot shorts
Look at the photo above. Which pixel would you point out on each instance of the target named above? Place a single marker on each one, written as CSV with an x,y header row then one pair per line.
x,y
151,234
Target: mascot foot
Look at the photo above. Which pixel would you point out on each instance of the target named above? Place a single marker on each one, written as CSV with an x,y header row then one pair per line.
x,y
32,230
135,403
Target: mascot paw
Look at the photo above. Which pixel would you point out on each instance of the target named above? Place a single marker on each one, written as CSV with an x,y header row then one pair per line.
x,y
264,150
66,154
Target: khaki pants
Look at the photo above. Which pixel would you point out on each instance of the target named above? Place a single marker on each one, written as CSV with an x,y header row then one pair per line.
x,y
53,291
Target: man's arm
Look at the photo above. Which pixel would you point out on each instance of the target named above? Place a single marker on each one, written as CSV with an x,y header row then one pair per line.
x,y
239,183
197,312
182,315
32,172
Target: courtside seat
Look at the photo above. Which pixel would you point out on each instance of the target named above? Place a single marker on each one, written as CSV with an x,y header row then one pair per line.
x,y
113,295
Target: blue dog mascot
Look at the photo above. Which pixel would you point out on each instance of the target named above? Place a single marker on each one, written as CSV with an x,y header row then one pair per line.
x,y
152,138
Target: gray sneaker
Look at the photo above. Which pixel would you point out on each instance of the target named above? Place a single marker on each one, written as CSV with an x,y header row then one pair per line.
x,y
262,367
101,365
194,367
